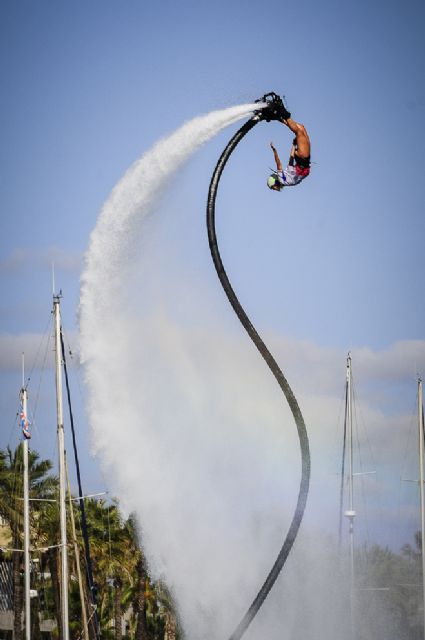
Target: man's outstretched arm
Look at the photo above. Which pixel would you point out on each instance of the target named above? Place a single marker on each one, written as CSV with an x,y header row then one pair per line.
x,y
276,157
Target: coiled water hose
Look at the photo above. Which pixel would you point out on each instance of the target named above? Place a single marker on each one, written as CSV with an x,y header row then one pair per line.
x,y
276,371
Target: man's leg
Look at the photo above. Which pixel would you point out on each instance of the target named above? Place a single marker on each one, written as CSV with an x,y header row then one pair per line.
x,y
301,135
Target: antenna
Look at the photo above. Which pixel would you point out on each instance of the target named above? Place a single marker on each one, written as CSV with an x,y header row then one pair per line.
x,y
53,278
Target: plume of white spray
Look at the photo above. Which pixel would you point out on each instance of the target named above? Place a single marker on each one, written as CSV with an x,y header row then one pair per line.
x,y
197,467
125,427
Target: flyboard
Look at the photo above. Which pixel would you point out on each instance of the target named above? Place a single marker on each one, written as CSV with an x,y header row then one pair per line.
x,y
270,107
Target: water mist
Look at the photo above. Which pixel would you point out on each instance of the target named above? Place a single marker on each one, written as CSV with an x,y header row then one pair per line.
x,y
190,443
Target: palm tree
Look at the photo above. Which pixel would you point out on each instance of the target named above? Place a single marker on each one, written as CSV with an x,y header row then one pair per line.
x,y
121,578
113,561
167,604
392,610
41,485
139,588
48,535
153,605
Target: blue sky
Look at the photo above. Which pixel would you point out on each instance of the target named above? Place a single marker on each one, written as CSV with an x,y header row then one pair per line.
x,y
333,265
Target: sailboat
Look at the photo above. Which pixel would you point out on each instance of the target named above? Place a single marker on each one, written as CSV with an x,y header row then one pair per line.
x,y
62,471
63,547
63,486
350,512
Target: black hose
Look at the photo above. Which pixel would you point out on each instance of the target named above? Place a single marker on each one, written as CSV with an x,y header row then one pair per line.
x,y
274,368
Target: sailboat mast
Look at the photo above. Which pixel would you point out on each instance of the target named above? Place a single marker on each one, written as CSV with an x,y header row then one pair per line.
x,y
62,470
350,513
24,402
421,486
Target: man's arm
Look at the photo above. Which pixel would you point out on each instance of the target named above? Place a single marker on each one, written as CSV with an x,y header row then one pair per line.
x,y
276,157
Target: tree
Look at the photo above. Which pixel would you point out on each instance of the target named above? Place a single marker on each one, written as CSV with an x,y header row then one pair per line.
x,y
171,624
113,561
388,593
41,485
119,567
48,534
139,584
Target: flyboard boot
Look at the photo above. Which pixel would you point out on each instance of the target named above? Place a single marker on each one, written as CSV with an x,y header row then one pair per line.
x,y
274,108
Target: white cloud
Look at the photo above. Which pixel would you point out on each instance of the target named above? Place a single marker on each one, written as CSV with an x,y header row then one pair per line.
x,y
37,349
22,258
404,359
323,368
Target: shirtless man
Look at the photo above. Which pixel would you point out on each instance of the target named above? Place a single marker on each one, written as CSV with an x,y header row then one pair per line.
x,y
298,166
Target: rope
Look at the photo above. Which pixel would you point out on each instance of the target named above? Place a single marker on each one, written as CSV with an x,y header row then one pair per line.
x,y
89,569
276,371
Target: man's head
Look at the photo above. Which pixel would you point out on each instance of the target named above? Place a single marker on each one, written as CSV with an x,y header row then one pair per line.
x,y
275,182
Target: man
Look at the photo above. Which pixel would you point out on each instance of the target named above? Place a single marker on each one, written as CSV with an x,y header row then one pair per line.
x,y
298,166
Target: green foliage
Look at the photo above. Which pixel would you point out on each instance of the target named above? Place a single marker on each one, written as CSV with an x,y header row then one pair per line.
x,y
388,593
387,596
121,578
